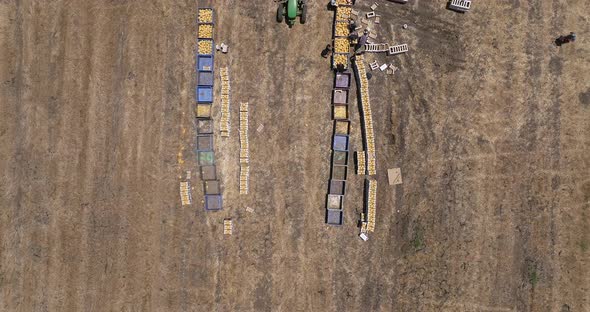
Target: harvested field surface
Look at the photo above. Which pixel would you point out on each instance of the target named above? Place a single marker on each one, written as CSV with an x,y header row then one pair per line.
x,y
488,120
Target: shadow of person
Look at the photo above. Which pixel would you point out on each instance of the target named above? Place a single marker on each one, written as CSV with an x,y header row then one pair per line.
x,y
559,41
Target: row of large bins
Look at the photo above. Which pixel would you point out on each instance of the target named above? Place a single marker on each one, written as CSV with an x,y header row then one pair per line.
x,y
340,94
205,55
340,114
340,33
338,173
340,149
203,110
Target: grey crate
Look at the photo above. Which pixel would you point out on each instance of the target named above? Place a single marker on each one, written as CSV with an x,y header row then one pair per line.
x,y
334,217
337,187
212,187
208,173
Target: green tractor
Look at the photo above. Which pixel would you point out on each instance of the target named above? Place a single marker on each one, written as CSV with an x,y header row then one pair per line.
x,y
291,9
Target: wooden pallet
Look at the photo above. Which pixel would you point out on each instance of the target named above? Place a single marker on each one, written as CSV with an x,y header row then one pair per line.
x,y
398,49
376,47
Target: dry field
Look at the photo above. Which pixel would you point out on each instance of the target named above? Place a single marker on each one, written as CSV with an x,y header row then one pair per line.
x,y
487,119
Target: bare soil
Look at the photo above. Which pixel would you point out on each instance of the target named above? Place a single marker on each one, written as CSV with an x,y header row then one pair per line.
x,y
488,120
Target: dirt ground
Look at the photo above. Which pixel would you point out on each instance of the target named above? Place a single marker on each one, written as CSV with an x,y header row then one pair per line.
x,y
487,119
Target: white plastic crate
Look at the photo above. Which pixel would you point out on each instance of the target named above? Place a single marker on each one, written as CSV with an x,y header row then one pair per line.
x,y
460,5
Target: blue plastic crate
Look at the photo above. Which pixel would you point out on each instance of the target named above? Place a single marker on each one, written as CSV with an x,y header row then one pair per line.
x,y
204,94
205,63
213,202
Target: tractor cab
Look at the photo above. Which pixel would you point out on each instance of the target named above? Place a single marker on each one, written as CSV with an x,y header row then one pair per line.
x,y
290,10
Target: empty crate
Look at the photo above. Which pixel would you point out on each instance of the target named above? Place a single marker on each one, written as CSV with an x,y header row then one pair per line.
x,y
334,201
337,187
205,62
342,80
339,96
339,172
213,202
212,187
204,126
340,158
204,94
205,78
208,173
334,217
206,158
340,143
204,142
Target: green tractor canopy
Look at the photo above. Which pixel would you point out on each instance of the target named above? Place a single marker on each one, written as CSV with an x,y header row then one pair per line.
x,y
290,10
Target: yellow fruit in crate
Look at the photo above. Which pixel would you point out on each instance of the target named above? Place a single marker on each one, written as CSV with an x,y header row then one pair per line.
x,y
205,31
205,16
205,47
340,59
341,45
343,13
341,29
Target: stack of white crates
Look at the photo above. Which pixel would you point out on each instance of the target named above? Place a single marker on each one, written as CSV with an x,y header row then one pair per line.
x,y
371,204
227,227
244,152
366,112
225,91
360,165
185,193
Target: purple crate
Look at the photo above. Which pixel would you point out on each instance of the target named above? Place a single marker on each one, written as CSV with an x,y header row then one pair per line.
x,y
340,143
342,80
213,202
